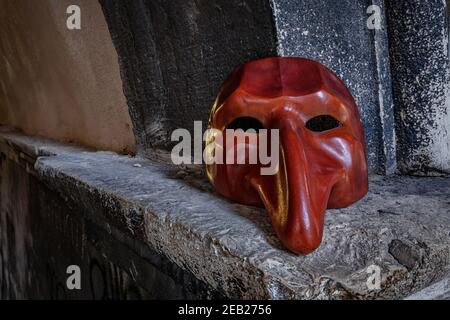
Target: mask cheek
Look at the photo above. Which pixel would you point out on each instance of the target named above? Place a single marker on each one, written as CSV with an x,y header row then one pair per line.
x,y
349,154
232,177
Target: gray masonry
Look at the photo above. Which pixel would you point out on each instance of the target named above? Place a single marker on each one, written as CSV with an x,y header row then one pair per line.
x,y
419,45
336,34
174,55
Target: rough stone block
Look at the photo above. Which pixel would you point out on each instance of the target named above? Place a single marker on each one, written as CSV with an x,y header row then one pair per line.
x,y
401,226
419,50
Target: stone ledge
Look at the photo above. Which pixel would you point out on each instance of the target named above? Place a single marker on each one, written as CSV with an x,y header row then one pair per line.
x,y
402,226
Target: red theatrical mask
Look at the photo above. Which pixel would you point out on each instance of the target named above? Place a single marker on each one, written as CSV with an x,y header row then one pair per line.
x,y
322,161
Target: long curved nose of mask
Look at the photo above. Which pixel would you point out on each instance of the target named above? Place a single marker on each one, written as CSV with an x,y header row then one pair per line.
x,y
296,196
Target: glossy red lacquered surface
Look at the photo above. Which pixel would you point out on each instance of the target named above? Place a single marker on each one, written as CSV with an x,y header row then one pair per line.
x,y
318,169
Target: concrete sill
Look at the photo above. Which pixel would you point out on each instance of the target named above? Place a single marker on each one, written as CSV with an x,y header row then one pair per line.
x,y
402,226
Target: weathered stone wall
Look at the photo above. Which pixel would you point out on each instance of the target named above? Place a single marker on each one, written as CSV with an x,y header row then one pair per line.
x,y
419,45
336,34
174,55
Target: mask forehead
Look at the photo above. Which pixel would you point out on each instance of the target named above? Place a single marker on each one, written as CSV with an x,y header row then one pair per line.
x,y
275,77
264,82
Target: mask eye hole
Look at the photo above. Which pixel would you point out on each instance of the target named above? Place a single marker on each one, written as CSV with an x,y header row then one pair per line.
x,y
245,123
323,123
